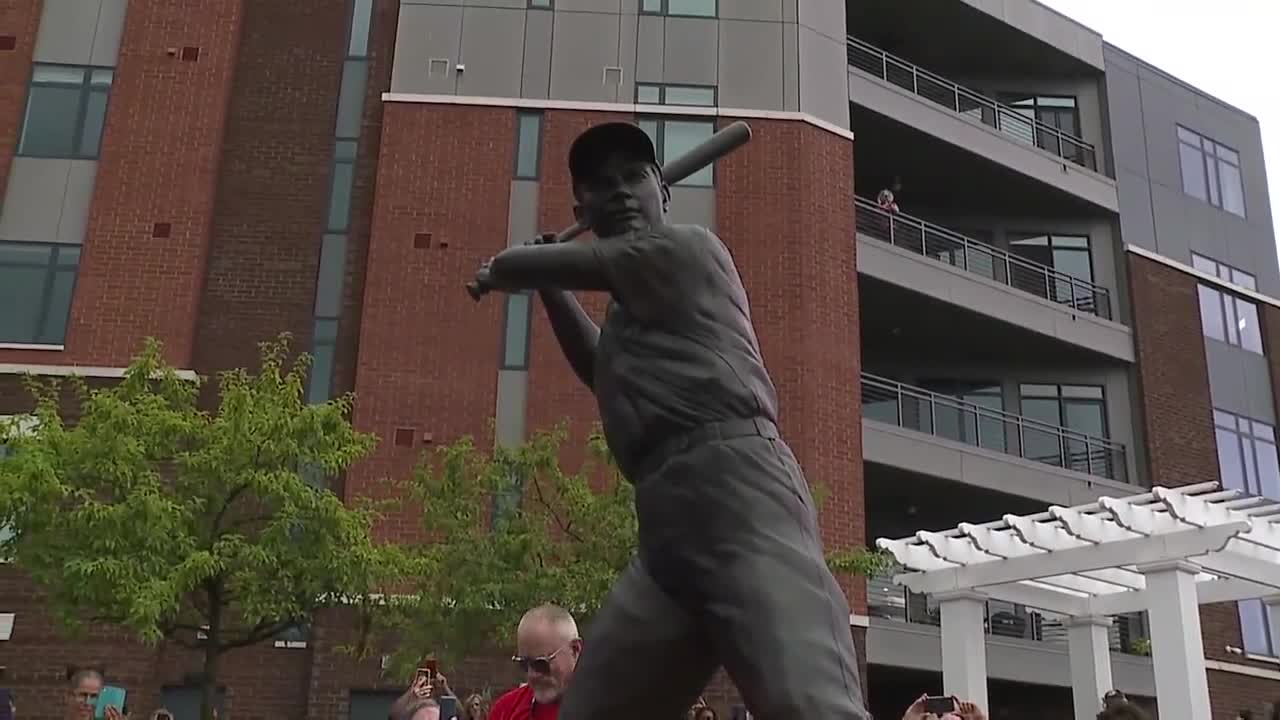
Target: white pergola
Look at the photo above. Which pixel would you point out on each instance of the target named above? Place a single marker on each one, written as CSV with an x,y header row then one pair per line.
x,y
1166,551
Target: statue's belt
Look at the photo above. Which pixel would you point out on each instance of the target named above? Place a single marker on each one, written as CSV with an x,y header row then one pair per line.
x,y
675,444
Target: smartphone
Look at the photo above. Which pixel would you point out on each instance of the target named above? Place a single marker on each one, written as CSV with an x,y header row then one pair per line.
x,y
429,670
110,696
448,707
939,705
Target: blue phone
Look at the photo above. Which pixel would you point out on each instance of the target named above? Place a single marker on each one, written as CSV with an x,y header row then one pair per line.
x,y
110,696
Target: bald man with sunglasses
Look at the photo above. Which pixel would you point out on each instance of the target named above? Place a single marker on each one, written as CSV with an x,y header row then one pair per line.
x,y
547,647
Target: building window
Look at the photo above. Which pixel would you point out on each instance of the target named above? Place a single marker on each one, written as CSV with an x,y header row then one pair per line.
x,y
1247,461
969,422
695,8
1247,454
36,283
1210,171
528,145
66,111
1081,409
515,338
1224,316
542,4
675,137
696,95
1069,255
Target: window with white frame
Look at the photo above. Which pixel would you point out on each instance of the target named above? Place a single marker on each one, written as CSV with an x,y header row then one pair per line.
x,y
673,137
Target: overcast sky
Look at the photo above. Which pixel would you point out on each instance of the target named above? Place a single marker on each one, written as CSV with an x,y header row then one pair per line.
x,y
1228,48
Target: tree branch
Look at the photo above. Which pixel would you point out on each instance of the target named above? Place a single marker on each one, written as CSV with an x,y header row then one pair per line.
x,y
566,528
260,632
226,505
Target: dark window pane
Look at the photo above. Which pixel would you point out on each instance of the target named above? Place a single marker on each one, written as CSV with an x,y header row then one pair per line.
x,y
333,252
1085,417
1204,264
54,330
1212,183
49,128
1211,313
340,198
703,8
515,343
1232,190
1229,463
1244,279
1268,470
22,297
1247,324
345,150
95,118
1074,262
690,96
101,78
1254,628
318,389
351,98
1193,177
527,145
362,12
649,94
681,136
652,6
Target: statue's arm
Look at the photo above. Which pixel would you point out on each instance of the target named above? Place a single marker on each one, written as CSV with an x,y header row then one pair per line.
x,y
554,271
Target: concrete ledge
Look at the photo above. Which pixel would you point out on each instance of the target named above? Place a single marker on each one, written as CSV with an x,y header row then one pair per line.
x,y
970,135
929,455
907,645
76,370
950,284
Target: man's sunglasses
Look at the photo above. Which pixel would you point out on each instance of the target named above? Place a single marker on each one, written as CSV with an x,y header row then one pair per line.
x,y
540,664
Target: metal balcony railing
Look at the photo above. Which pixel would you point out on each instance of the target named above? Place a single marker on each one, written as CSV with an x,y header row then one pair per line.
x,y
888,600
871,59
932,241
954,419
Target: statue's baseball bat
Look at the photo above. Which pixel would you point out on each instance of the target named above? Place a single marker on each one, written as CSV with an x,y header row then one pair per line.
x,y
708,151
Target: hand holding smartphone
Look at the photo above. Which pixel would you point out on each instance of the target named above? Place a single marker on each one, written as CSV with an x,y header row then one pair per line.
x,y
938,705
110,696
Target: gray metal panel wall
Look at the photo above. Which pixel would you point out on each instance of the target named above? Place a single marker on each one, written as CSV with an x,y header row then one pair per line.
x,y
592,51
80,32
47,200
1145,106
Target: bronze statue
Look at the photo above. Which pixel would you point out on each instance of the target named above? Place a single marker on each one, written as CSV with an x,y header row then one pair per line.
x,y
730,569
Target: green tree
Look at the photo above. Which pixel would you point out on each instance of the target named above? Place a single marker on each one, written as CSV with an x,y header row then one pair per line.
x,y
205,529
511,529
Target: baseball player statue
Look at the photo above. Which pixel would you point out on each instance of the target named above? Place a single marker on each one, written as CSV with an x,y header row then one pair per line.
x,y
730,569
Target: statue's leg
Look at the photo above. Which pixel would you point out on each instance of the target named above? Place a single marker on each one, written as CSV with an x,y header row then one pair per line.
x,y
777,617
643,656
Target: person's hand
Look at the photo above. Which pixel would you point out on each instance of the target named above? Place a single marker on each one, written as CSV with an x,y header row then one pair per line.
x,y
442,683
544,239
421,687
113,713
970,711
916,711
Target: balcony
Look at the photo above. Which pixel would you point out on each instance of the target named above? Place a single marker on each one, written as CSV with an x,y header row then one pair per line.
x,y
890,601
962,101
938,243
952,419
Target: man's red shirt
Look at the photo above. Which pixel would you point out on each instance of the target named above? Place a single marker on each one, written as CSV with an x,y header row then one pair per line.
x,y
518,704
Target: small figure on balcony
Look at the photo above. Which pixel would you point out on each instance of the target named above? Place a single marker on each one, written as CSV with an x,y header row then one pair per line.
x,y
886,202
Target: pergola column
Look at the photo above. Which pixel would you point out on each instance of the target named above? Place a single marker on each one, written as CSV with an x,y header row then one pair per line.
x,y
1089,648
964,645
1177,652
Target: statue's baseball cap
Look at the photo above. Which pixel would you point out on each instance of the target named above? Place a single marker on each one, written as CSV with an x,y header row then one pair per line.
x,y
595,144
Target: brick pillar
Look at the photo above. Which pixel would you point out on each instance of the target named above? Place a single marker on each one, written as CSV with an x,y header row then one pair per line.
x,y
21,19
159,164
784,206
428,357
274,183
1173,374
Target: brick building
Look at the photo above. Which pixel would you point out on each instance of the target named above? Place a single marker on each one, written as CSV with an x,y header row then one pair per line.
x,y
1077,298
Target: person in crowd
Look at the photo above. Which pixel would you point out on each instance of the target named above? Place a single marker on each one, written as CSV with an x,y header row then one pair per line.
x,y
8,705
1123,710
82,693
475,708
548,647
421,709
706,712
423,688
964,710
692,714
886,201
1245,715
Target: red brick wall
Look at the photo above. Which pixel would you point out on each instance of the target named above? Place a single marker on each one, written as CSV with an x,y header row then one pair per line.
x,y
1233,692
1173,375
273,187
793,243
19,18
428,357
159,164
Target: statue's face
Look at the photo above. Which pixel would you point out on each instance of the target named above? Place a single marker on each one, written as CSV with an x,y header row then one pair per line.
x,y
624,194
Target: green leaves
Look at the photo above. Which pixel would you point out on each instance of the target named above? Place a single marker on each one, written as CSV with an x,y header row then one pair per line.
x,y
152,513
